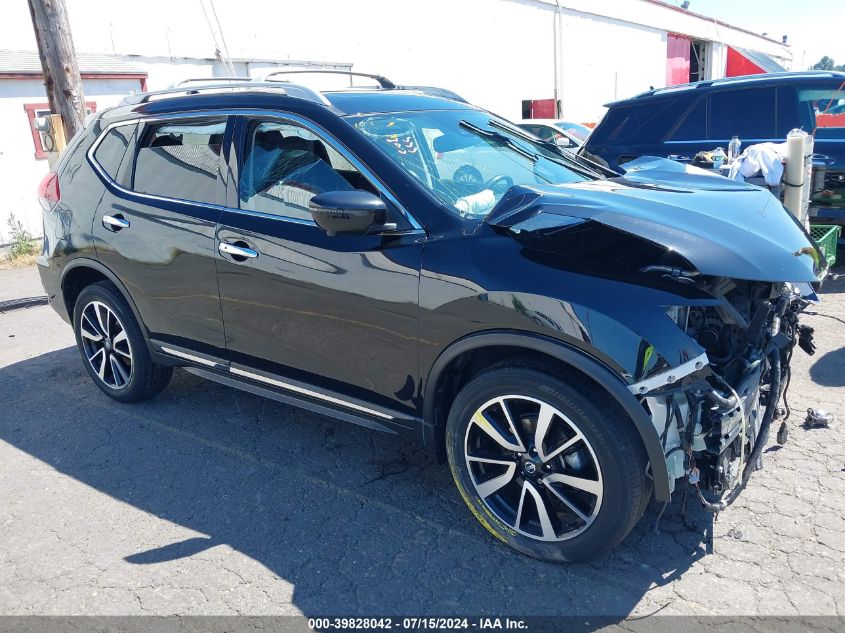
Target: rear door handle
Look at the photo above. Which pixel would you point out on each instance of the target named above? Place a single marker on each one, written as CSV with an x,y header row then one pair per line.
x,y
115,222
236,251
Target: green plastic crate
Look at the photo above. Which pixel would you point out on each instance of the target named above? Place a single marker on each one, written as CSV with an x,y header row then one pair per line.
x,y
827,236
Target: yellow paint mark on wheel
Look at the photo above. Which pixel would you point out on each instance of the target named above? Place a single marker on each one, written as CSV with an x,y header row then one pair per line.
x,y
475,511
479,419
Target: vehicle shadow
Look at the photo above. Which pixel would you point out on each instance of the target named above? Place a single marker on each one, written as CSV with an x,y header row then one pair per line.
x,y
827,370
357,521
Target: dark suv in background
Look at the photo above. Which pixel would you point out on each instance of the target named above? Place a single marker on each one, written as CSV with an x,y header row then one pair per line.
x,y
680,121
572,342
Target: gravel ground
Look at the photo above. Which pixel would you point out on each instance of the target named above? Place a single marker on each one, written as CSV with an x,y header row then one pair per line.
x,y
207,500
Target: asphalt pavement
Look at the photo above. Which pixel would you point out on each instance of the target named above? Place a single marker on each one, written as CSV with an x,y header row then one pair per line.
x,y
207,500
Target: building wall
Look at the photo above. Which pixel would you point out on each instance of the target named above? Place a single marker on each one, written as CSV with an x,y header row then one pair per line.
x,y
605,59
17,152
494,52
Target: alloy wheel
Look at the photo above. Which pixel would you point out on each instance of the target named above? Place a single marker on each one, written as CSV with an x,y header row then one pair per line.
x,y
106,345
533,468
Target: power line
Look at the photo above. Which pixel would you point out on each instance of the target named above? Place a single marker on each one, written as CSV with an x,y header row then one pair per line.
x,y
224,55
222,38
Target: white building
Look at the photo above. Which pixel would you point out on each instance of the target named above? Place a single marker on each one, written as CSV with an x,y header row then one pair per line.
x,y
495,53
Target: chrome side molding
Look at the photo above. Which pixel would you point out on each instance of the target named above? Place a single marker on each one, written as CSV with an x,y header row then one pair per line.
x,y
273,381
308,392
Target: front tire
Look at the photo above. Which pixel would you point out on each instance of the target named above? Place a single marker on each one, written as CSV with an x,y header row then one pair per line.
x,y
113,348
548,465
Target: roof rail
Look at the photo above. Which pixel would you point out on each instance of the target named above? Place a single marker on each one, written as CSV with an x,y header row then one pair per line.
x,y
739,79
382,81
292,90
225,78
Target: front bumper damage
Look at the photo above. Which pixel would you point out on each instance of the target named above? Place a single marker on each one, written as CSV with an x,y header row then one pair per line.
x,y
714,416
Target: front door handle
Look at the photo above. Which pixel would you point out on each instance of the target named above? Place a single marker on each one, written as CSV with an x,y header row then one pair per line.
x,y
239,253
115,222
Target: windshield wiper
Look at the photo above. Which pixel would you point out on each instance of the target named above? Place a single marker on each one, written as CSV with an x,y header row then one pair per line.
x,y
581,164
499,138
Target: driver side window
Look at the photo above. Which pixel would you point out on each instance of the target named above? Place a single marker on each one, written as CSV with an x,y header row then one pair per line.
x,y
286,165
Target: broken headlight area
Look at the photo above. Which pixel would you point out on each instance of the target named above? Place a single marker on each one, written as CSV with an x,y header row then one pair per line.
x,y
713,413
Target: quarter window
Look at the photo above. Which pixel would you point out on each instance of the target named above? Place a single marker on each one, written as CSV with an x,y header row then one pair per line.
x,y
110,151
181,160
286,165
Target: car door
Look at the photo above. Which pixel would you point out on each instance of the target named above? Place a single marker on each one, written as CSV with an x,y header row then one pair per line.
x,y
155,225
337,314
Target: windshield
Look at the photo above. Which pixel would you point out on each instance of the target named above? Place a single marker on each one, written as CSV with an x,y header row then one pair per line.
x,y
468,159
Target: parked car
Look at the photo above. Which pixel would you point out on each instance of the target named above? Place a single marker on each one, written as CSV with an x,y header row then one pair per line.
x,y
680,121
562,133
572,345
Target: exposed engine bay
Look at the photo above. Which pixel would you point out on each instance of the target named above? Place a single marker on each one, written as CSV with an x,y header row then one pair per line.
x,y
714,422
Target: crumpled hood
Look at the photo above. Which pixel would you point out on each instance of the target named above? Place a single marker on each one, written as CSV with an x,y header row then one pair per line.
x,y
722,227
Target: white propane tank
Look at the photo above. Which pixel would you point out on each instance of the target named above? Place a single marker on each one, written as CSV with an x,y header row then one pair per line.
x,y
797,175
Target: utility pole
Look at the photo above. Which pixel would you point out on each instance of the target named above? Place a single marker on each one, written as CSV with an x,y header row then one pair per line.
x,y
58,62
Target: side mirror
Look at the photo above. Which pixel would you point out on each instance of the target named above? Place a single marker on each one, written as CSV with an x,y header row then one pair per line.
x,y
347,212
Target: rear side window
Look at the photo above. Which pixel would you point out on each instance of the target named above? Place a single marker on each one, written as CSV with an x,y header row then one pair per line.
x,y
694,125
749,114
181,160
111,150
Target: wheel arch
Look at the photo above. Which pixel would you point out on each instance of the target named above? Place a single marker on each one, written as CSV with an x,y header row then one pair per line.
x,y
82,272
501,344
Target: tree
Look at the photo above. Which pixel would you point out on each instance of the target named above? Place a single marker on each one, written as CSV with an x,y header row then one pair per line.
x,y
825,63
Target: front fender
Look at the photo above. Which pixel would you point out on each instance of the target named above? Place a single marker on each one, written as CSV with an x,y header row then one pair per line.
x,y
615,330
609,380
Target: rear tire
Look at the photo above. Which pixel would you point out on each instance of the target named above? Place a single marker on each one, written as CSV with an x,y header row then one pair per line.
x,y
558,472
113,348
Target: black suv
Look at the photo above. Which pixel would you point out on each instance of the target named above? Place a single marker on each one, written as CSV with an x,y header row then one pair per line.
x,y
680,121
573,342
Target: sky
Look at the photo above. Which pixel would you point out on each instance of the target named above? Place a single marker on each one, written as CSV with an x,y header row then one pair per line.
x,y
815,27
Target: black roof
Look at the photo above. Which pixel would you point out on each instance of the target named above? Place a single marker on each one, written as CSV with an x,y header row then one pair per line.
x,y
342,103
768,79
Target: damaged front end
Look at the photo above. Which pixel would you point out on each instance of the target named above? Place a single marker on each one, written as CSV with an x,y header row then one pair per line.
x,y
714,421
732,245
